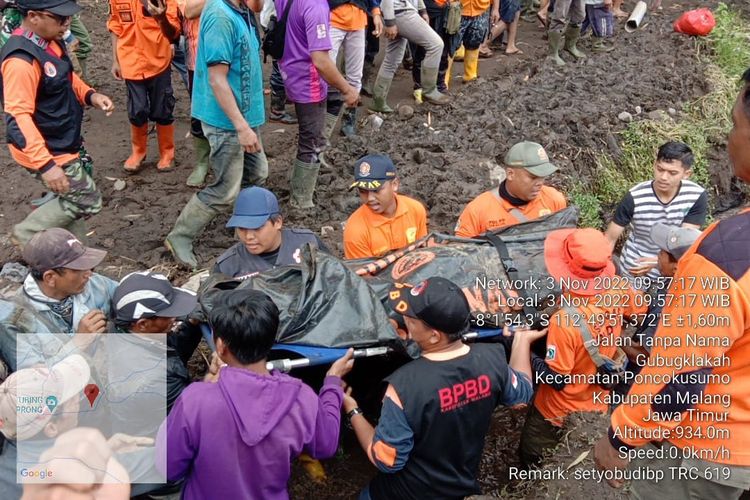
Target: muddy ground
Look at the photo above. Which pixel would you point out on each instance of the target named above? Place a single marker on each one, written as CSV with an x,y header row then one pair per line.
x,y
444,156
571,111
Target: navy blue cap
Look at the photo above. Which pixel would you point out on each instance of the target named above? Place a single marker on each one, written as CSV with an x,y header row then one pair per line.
x,y
371,171
65,8
254,206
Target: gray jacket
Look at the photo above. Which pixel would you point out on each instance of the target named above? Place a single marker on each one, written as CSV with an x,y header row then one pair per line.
x,y
27,315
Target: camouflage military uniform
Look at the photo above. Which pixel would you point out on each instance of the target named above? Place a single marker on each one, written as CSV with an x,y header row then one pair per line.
x,y
83,199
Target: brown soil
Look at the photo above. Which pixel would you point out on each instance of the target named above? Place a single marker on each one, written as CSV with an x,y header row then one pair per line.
x,y
443,155
571,111
574,458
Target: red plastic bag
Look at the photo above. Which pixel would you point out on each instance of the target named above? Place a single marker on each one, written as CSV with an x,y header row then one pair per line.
x,y
698,22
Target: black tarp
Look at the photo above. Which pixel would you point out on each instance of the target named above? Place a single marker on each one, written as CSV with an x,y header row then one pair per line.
x,y
476,266
321,302
326,302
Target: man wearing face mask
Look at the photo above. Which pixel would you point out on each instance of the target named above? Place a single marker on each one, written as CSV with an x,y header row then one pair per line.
x,y
145,303
264,242
520,197
386,221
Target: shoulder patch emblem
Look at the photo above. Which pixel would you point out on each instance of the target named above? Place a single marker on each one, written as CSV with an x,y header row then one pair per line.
x,y
551,352
50,70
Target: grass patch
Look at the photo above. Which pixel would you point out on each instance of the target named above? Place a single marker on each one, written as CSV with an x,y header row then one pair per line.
x,y
704,122
590,209
729,41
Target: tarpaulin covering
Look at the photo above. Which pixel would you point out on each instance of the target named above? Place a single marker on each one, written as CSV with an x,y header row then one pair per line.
x,y
321,302
326,302
503,277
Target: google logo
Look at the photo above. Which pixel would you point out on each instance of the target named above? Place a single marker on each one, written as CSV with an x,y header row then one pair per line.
x,y
41,474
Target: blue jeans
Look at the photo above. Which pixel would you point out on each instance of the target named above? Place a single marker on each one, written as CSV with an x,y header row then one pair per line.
x,y
178,62
233,169
276,80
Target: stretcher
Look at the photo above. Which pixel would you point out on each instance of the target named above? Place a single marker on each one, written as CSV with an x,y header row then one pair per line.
x,y
292,356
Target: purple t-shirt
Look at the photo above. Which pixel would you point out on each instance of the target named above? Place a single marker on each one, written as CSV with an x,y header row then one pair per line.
x,y
307,30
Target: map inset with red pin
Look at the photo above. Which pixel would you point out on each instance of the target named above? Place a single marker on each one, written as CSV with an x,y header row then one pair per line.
x,y
124,380
91,391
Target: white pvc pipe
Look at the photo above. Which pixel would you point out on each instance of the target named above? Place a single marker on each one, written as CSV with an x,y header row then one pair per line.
x,y
636,17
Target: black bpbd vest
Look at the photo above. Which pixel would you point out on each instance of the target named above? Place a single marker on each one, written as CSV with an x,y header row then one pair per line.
x,y
237,262
362,4
448,406
58,114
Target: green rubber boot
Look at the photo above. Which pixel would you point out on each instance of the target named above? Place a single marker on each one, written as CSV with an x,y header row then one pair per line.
x,y
50,214
192,220
599,46
555,42
572,34
379,95
198,176
430,93
367,70
303,181
331,121
79,230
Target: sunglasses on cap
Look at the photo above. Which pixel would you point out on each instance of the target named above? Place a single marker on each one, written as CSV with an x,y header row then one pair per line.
x,y
60,19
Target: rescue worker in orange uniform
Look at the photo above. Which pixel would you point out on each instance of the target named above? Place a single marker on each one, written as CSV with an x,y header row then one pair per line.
x,y
582,336
687,417
520,197
43,102
142,35
386,221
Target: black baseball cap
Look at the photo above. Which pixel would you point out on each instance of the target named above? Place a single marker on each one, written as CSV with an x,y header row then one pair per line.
x,y
437,301
372,171
56,247
65,8
148,295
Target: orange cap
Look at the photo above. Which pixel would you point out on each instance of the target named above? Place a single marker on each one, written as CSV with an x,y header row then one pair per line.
x,y
576,257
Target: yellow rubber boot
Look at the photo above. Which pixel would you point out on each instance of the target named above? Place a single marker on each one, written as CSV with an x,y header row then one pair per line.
x,y
459,55
313,468
448,72
471,64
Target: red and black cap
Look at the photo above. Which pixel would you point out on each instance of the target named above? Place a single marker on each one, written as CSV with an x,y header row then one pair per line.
x,y
438,302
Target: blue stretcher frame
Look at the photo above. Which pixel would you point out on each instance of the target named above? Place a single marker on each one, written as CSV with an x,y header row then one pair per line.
x,y
316,356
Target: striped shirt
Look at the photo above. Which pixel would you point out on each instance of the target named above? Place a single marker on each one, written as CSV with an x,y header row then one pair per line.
x,y
641,209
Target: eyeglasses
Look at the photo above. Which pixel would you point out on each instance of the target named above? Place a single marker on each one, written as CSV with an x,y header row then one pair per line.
x,y
60,19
